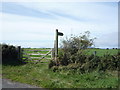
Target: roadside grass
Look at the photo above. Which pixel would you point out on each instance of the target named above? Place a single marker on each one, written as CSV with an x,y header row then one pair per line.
x,y
39,75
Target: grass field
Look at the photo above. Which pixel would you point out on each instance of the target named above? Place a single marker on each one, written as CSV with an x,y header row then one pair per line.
x,y
36,48
101,52
43,52
39,75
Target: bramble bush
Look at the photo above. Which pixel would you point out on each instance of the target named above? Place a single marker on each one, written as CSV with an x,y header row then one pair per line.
x,y
73,54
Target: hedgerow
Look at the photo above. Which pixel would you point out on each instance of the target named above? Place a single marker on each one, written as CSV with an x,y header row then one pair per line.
x,y
9,54
73,54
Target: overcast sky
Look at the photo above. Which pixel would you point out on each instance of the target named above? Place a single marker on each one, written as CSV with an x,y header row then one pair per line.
x,y
30,24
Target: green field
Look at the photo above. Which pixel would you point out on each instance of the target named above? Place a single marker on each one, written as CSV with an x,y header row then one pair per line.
x,y
101,52
37,48
39,75
43,52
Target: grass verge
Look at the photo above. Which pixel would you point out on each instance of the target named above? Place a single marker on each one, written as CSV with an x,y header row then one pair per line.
x,y
39,75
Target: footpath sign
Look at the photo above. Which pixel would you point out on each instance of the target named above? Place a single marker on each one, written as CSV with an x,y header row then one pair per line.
x,y
60,34
56,43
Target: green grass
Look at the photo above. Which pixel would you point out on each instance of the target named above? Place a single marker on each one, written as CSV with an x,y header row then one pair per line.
x,y
36,48
101,52
39,75
48,56
35,55
43,52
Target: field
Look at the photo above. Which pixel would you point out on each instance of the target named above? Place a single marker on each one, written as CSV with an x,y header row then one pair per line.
x,y
39,74
101,52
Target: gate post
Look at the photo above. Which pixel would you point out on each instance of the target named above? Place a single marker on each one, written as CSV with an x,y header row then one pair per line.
x,y
56,45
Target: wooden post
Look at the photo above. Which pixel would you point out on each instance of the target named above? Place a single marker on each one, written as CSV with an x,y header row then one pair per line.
x,y
56,45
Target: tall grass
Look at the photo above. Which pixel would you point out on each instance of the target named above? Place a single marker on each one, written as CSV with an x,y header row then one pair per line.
x,y
39,75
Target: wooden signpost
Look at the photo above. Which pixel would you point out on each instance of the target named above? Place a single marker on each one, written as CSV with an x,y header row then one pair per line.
x,y
56,43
